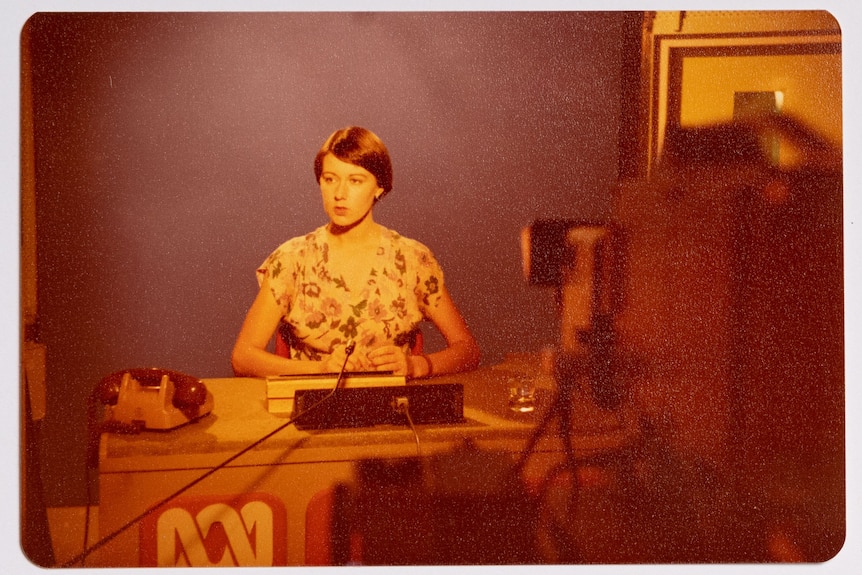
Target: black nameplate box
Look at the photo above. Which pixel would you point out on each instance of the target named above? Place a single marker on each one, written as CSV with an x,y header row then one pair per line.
x,y
436,403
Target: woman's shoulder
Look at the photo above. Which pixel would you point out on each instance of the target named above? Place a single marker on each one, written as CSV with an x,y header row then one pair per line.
x,y
291,253
300,244
404,243
412,253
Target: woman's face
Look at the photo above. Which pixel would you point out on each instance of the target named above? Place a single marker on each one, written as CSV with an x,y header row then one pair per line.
x,y
348,191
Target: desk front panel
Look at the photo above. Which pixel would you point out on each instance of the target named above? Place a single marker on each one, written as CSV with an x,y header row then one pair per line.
x,y
255,506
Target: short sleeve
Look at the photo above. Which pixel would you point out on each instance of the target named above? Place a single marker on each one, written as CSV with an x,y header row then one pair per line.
x,y
429,278
280,269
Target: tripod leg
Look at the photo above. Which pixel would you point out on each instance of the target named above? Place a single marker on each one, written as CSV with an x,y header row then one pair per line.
x,y
565,422
537,434
568,372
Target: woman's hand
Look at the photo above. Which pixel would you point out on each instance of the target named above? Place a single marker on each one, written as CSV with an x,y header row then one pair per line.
x,y
400,362
391,358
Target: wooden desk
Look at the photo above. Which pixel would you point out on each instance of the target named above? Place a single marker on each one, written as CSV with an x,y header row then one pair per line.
x,y
256,505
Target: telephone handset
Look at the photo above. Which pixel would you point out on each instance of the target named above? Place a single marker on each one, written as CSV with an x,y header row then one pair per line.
x,y
151,398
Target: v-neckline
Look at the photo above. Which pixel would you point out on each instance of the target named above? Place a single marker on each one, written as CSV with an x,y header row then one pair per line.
x,y
355,283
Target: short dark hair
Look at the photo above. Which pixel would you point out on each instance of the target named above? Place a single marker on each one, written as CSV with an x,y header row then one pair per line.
x,y
360,147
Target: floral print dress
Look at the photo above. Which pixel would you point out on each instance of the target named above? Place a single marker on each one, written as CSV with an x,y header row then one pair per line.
x,y
404,281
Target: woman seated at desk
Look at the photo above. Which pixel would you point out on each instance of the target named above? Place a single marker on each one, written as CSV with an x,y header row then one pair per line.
x,y
352,280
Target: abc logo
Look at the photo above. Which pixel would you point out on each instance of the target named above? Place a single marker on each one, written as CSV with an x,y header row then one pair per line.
x,y
216,531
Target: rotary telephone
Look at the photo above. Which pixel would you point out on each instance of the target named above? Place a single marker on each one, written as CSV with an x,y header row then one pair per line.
x,y
152,399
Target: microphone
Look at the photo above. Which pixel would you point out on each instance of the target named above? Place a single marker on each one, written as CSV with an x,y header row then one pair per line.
x,y
351,346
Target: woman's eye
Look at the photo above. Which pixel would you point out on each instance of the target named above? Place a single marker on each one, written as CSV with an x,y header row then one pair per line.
x,y
355,181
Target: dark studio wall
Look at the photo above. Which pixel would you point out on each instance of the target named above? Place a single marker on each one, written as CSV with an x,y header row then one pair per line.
x,y
173,152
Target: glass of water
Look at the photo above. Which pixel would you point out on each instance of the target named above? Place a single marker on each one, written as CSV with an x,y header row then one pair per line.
x,y
522,395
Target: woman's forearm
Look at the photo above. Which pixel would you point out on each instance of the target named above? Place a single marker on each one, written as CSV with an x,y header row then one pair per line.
x,y
249,361
459,356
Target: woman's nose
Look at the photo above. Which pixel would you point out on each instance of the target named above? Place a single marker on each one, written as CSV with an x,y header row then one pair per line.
x,y
341,190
